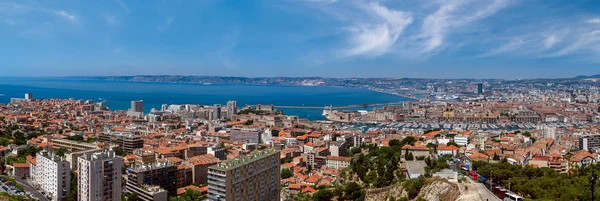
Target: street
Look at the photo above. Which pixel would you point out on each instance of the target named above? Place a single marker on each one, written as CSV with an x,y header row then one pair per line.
x,y
31,189
486,195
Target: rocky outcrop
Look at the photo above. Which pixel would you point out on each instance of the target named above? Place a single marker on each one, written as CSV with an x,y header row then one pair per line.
x,y
439,190
435,189
378,194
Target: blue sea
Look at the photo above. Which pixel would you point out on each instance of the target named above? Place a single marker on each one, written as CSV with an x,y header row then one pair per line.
x,y
118,95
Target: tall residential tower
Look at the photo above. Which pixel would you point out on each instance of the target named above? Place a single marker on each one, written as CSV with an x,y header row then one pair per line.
x,y
99,177
255,176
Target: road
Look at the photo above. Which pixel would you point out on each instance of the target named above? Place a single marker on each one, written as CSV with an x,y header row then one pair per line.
x,y
486,195
31,189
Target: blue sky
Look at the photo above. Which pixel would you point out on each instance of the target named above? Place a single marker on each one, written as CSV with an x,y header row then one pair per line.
x,y
331,38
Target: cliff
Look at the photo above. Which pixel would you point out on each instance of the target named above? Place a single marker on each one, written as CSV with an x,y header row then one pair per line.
x,y
435,189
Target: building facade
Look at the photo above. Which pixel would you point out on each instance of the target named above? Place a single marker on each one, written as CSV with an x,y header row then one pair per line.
x,y
163,174
245,135
52,175
126,141
255,176
231,108
99,177
587,142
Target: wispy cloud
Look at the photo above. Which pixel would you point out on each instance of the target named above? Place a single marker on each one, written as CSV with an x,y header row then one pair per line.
x,y
584,43
164,26
512,45
593,21
452,15
111,19
123,6
65,15
375,37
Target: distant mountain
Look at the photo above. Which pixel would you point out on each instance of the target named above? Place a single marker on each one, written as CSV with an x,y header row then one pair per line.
x,y
587,76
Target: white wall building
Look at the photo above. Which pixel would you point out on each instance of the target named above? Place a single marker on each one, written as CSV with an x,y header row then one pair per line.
x,y
99,177
52,175
461,140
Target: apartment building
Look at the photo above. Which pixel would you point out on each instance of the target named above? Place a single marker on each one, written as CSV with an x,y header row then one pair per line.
x,y
72,145
245,135
127,141
163,174
587,142
99,177
255,176
337,162
51,175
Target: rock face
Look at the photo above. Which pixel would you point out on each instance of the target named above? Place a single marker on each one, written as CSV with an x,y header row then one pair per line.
x,y
440,190
435,189
379,194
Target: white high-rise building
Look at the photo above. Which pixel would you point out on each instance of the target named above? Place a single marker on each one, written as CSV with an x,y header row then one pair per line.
x,y
52,175
231,108
99,177
28,96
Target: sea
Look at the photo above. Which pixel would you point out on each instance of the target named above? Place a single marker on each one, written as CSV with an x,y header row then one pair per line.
x,y
118,94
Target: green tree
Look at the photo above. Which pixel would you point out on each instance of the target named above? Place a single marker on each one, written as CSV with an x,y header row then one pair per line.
x,y
413,186
353,191
394,142
323,195
452,143
130,197
20,138
286,173
77,138
410,156
60,151
4,141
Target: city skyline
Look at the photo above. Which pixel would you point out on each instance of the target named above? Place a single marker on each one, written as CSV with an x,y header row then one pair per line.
x,y
325,38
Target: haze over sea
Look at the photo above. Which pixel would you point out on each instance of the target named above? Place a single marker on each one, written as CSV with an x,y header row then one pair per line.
x,y
118,95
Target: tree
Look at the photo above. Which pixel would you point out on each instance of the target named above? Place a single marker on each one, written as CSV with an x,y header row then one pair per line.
x,y
73,194
4,141
131,197
77,138
410,157
338,191
275,133
353,191
20,138
408,140
394,142
323,195
286,173
452,143
413,186
61,151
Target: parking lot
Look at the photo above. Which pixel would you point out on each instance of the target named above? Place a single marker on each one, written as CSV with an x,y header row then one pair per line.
x,y
8,187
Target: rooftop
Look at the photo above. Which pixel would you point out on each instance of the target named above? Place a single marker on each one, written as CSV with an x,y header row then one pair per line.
x,y
244,160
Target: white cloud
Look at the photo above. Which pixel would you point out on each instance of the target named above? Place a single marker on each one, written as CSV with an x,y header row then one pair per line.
x,y
123,6
593,21
66,15
375,37
111,19
452,15
584,43
514,44
550,41
164,26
